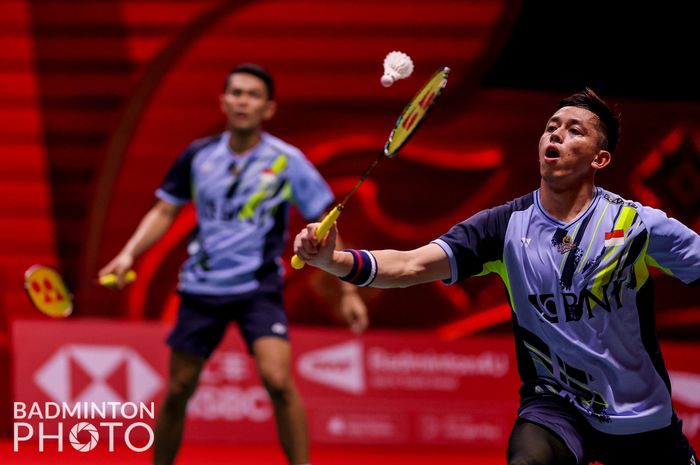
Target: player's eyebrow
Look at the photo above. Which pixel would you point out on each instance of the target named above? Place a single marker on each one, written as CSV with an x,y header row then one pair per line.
x,y
569,121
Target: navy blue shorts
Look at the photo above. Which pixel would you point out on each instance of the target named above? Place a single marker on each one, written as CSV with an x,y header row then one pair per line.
x,y
202,320
667,445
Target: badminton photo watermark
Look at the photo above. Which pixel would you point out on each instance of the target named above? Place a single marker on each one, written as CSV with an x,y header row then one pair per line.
x,y
83,426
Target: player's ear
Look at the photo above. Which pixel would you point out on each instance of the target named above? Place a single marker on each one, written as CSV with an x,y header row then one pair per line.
x,y
601,160
270,110
221,102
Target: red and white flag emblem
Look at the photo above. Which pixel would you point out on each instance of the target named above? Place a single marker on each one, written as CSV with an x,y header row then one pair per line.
x,y
614,238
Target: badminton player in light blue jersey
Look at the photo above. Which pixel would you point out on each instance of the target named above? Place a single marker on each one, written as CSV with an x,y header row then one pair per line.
x,y
241,183
575,261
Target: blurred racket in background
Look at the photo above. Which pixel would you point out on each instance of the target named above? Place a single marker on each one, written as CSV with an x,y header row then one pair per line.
x,y
413,114
49,294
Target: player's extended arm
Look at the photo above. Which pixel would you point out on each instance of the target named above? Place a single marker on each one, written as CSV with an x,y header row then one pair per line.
x,y
153,225
394,268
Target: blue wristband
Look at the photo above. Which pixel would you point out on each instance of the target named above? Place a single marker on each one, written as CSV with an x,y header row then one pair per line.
x,y
364,268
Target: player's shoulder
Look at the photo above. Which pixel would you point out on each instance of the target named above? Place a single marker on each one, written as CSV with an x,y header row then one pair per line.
x,y
517,204
280,146
648,215
199,144
521,203
615,199
502,214
186,158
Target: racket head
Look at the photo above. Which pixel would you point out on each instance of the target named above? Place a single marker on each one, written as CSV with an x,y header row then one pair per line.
x,y
47,291
415,112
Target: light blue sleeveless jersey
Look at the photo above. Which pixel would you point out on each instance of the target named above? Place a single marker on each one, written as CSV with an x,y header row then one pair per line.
x,y
242,210
582,300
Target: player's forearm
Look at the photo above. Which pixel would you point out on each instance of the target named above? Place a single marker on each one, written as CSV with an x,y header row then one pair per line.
x,y
152,227
393,268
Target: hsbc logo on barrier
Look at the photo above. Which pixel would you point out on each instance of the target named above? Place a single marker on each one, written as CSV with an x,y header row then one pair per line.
x,y
104,388
228,391
97,373
339,366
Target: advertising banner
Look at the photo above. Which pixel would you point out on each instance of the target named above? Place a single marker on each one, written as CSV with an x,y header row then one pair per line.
x,y
88,384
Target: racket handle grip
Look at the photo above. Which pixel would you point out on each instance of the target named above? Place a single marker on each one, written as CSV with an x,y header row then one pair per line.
x,y
297,264
110,280
325,226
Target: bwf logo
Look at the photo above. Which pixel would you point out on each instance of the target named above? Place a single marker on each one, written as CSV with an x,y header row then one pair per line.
x,y
340,366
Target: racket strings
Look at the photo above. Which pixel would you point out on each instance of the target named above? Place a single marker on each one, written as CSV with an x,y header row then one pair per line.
x,y
47,291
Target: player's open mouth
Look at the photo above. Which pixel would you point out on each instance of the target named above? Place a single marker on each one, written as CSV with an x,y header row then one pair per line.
x,y
551,154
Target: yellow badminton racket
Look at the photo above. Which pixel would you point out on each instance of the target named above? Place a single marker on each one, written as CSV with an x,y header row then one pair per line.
x,y
410,118
48,292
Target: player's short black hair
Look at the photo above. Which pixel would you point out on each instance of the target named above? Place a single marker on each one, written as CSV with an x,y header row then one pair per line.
x,y
257,71
609,120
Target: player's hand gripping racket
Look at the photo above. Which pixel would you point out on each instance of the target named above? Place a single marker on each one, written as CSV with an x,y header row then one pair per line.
x,y
48,291
405,127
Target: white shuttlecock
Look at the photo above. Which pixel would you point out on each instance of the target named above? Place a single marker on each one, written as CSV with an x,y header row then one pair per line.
x,y
397,65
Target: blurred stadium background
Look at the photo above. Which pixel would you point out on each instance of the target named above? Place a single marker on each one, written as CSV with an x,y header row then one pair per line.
x,y
97,98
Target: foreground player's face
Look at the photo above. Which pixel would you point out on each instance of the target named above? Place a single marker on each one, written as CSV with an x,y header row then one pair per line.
x,y
571,146
245,102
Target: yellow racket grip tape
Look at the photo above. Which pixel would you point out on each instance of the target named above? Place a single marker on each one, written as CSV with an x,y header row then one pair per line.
x,y
325,226
110,280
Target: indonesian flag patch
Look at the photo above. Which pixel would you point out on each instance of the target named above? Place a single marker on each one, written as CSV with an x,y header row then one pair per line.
x,y
614,238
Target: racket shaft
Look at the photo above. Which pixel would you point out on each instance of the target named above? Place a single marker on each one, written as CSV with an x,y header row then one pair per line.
x,y
362,179
321,231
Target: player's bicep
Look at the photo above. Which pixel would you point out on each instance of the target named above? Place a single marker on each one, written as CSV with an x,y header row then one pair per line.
x,y
673,247
166,208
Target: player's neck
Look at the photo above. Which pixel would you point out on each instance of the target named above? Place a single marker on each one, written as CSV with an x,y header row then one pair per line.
x,y
567,203
242,141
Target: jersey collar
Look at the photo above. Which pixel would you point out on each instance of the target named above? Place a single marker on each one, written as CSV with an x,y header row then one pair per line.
x,y
591,207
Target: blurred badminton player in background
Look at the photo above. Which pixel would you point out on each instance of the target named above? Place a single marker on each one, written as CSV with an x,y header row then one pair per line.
x,y
241,183
574,258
